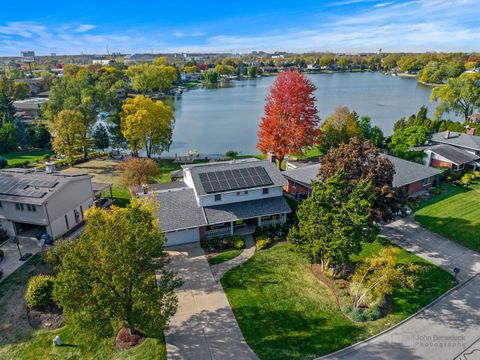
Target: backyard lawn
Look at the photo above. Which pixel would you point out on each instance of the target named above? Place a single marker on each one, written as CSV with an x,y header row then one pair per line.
x,y
455,215
20,342
286,313
20,157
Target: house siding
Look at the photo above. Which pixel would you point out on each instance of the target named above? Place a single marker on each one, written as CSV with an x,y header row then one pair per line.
x,y
295,188
437,163
417,187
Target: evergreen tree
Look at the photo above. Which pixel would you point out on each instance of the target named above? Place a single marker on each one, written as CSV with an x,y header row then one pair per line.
x,y
7,110
333,222
100,137
421,116
399,124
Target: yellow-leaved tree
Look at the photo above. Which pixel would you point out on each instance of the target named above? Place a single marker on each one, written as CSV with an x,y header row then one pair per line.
x,y
147,124
68,129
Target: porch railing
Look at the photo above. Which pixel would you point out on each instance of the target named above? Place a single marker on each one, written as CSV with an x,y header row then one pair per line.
x,y
218,232
271,222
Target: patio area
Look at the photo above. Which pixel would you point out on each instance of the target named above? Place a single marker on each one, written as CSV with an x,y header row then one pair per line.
x,y
11,260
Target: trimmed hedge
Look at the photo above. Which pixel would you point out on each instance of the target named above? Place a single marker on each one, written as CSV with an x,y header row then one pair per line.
x,y
262,243
39,291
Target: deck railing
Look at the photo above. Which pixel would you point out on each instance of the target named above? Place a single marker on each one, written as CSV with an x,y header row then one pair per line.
x,y
218,232
271,222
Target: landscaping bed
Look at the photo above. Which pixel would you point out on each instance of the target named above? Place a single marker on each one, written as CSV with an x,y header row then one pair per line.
x,y
221,249
19,340
285,312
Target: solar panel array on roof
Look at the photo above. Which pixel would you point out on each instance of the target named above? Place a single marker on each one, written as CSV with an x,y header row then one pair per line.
x,y
14,186
236,179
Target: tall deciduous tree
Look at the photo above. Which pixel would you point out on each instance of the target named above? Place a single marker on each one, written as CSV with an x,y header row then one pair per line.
x,y
115,274
290,122
137,172
459,95
68,130
146,78
362,161
334,221
147,124
340,127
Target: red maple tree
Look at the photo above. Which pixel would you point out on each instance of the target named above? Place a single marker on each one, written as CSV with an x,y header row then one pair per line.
x,y
290,122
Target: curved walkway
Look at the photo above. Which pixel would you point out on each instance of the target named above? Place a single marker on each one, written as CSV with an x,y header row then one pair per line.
x,y
220,269
448,328
204,326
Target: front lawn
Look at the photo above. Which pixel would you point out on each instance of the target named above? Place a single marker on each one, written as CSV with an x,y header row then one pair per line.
x,y
455,215
20,342
285,312
20,157
224,256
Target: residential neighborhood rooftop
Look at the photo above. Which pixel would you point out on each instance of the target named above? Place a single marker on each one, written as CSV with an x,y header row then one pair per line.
x,y
457,139
453,154
28,186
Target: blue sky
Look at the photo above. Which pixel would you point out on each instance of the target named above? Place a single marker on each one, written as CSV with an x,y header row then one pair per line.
x,y
200,26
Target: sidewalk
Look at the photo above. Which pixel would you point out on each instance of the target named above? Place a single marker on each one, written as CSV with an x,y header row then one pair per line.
x,y
11,260
220,269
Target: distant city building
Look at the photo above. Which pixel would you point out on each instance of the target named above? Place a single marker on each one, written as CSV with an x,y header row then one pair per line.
x,y
28,56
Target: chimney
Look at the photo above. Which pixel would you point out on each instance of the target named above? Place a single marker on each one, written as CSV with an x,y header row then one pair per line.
x,y
471,131
271,157
446,135
50,167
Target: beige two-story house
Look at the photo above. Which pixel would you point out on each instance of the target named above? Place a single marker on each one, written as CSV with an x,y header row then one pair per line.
x,y
33,203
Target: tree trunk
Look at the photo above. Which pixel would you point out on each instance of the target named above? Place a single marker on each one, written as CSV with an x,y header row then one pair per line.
x,y
280,161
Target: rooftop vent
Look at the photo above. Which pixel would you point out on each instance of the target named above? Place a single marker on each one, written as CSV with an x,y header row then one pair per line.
x,y
446,135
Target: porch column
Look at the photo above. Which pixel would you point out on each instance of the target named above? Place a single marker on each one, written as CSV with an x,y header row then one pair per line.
x,y
231,228
259,221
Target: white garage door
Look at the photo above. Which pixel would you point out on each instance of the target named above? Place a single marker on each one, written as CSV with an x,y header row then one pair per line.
x,y
182,237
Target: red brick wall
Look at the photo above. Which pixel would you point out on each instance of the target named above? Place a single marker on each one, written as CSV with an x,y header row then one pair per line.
x,y
203,232
294,190
440,163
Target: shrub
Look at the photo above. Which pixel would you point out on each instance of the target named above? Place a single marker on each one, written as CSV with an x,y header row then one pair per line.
x,y
262,243
39,291
47,157
372,314
237,242
356,315
436,191
467,179
26,164
3,163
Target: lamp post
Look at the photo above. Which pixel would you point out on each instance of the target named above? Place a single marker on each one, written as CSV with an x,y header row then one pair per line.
x,y
23,257
455,272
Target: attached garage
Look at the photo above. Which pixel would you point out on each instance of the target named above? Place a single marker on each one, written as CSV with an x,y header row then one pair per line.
x,y
182,237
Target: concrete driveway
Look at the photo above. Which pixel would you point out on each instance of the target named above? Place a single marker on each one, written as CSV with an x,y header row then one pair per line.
x,y
204,326
449,328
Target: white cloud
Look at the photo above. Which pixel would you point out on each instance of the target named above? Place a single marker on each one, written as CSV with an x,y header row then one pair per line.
x,y
84,27
382,4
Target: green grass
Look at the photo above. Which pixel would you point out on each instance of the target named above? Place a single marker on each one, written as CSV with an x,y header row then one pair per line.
x,y
20,157
455,215
286,313
224,256
20,342
308,153
168,165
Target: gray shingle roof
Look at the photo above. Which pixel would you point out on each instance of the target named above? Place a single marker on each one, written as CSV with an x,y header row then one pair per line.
x,y
269,167
303,175
406,172
179,210
455,155
246,209
30,187
458,139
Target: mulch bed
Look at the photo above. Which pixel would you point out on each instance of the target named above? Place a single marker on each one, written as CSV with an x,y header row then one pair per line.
x,y
51,317
317,271
127,338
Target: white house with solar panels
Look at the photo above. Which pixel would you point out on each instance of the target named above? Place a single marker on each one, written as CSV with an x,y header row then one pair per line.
x,y
32,203
219,199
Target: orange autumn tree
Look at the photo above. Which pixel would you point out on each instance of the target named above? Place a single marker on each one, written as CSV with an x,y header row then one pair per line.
x,y
290,122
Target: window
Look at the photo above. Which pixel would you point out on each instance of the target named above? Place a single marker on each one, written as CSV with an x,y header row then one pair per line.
x,y
245,192
1,205
31,208
238,193
81,211
218,197
76,215
427,181
265,191
294,185
19,207
66,222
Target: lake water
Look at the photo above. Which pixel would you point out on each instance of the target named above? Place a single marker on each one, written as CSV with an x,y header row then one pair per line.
x,y
215,120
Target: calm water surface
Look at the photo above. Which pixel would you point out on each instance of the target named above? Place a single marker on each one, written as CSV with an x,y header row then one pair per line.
x,y
214,120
